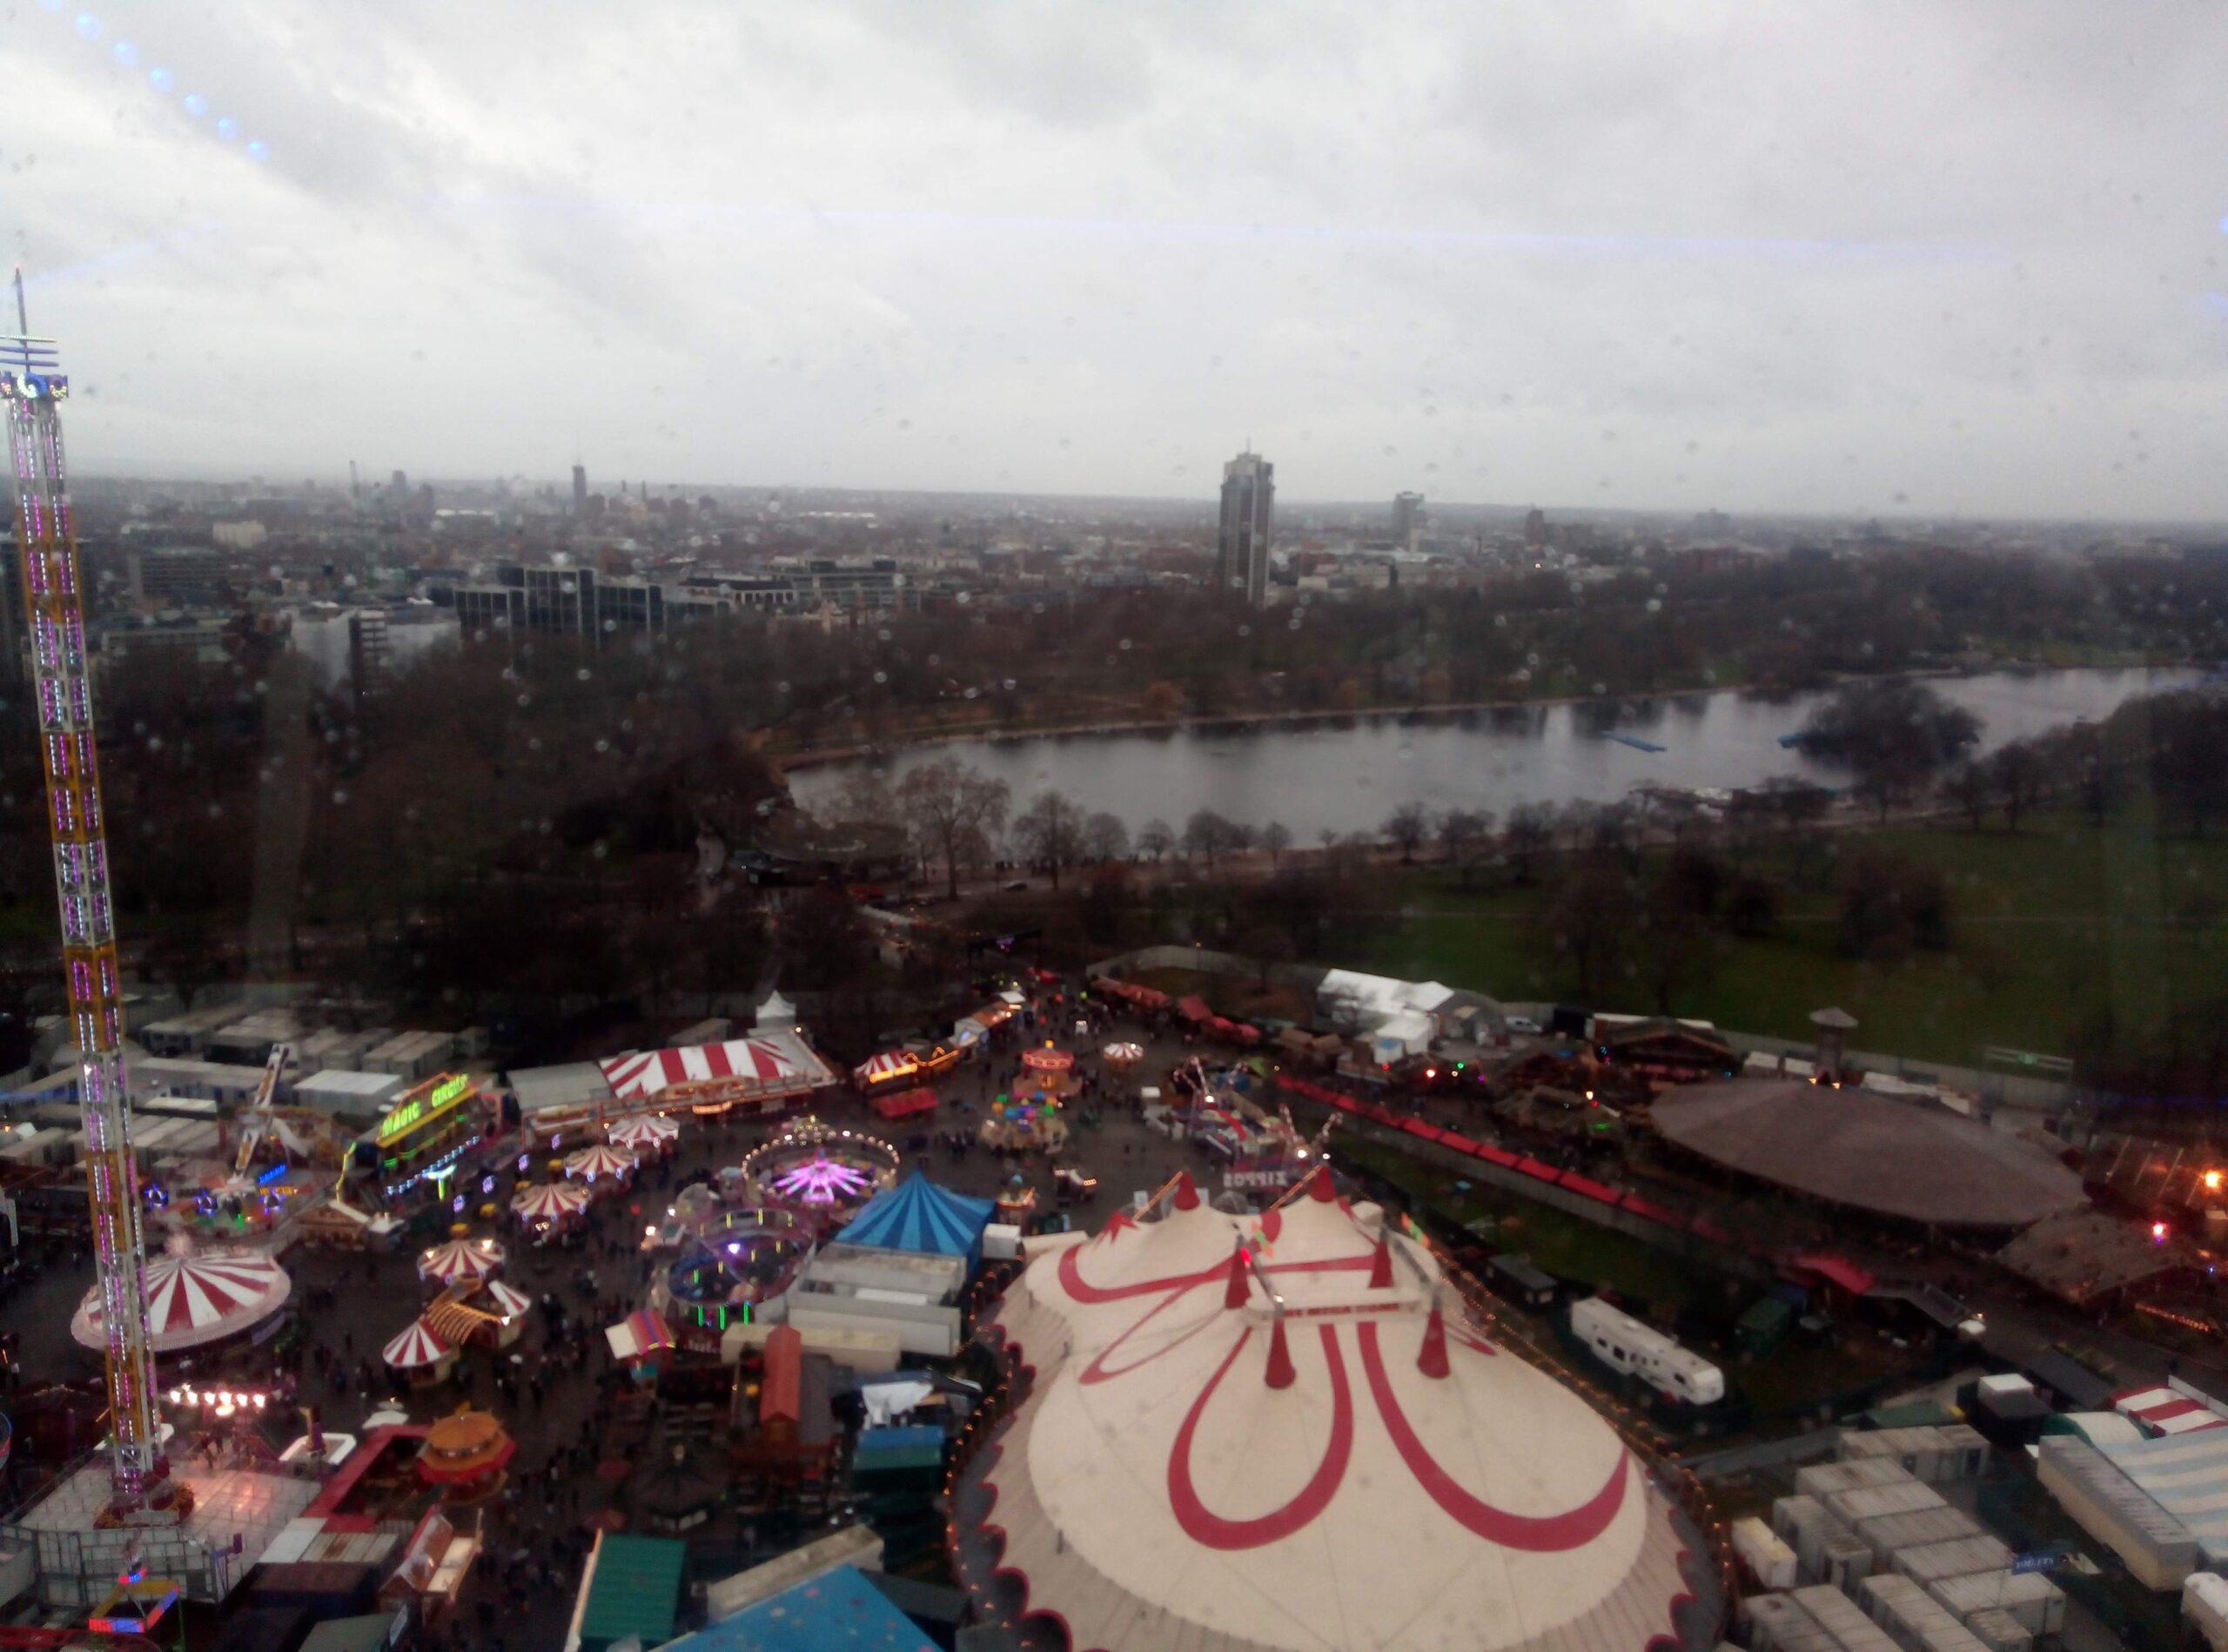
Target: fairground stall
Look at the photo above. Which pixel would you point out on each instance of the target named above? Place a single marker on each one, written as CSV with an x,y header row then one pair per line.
x,y
916,1103
463,1456
545,1209
423,1137
460,1260
604,1168
769,1069
486,1313
644,1135
421,1355
900,1069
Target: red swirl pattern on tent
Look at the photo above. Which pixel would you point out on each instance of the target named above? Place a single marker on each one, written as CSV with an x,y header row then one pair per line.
x,y
198,1298
1269,1409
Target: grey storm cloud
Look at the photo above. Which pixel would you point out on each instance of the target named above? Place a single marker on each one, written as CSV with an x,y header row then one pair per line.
x,y
1834,257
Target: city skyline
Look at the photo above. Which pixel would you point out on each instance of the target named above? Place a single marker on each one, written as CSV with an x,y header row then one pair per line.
x,y
1685,263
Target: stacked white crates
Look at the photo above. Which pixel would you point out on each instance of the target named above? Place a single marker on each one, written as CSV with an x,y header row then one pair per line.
x,y
1914,1619
2036,1603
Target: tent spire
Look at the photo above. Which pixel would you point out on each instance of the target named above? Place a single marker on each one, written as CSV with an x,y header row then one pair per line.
x,y
1430,1358
1280,1374
1239,1287
1380,1266
1187,1192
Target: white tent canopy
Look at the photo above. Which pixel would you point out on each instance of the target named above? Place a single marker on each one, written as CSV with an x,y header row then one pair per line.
x,y
1200,1463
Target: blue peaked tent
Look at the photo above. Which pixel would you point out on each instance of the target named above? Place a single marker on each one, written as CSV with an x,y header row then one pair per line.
x,y
838,1609
917,1215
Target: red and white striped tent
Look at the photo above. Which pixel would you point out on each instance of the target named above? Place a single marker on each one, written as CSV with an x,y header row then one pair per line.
x,y
1283,1431
599,1160
549,1201
645,1132
507,1300
460,1259
766,1065
419,1348
196,1300
890,1065
2162,1411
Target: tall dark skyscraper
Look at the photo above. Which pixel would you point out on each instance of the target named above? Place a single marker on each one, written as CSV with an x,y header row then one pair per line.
x,y
1248,497
579,489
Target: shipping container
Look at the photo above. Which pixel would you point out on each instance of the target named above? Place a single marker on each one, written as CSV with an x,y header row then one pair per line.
x,y
1914,1619
1848,1560
2205,1604
1841,1617
2159,1551
1960,1557
1775,1621
1891,1535
2001,1632
1920,1450
1810,1528
1964,1452
1769,1558
1821,1478
1870,1503
2030,1597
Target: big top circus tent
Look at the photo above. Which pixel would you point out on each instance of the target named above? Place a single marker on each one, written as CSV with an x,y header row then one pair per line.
x,y
195,1300
1236,1433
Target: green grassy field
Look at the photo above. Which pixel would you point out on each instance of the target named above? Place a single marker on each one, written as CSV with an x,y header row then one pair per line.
x,y
2053,926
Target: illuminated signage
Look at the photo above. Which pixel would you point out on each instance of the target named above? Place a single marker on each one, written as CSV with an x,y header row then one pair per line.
x,y
440,1095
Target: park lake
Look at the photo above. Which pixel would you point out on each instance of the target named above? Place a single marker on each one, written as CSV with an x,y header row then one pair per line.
x,y
1346,775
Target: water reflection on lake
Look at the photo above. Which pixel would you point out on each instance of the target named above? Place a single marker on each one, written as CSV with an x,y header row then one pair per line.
x,y
1347,776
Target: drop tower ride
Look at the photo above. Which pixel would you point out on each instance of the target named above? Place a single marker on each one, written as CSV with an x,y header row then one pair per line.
x,y
33,388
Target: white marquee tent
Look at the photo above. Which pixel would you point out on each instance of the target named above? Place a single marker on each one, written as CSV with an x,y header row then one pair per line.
x,y
1346,1464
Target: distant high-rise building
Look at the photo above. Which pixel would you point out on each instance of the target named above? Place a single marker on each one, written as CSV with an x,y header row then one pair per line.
x,y
1408,519
579,489
1535,526
1248,497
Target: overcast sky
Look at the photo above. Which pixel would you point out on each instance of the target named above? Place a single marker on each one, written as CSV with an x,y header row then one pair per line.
x,y
1888,257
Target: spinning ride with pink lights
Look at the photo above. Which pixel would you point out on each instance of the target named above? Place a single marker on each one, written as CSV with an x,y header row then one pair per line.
x,y
819,1170
1244,1432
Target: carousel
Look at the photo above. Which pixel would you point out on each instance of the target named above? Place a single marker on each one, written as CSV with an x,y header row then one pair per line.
x,y
819,1169
464,1456
420,1356
460,1260
1121,1057
1029,1115
197,1299
738,1260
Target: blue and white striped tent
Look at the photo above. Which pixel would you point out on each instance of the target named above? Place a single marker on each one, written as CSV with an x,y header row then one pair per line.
x,y
917,1215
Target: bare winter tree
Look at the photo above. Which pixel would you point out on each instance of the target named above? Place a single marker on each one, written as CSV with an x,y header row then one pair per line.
x,y
1049,833
1104,839
956,810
